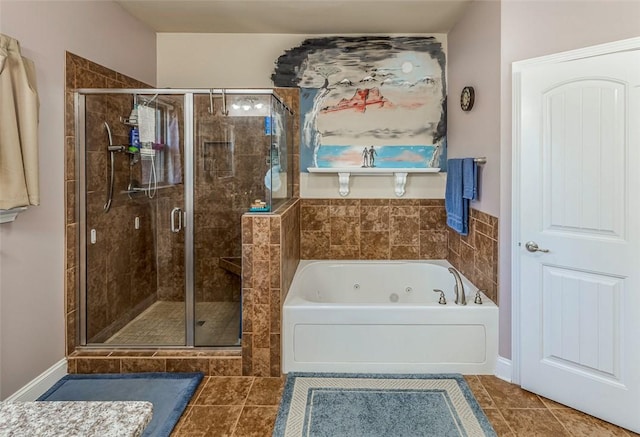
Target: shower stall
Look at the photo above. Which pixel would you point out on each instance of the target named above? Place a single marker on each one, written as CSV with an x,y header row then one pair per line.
x,y
164,179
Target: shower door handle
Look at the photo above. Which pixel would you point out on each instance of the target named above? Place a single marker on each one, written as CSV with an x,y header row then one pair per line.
x,y
176,225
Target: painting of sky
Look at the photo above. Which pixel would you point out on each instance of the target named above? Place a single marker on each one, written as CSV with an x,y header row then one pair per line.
x,y
356,92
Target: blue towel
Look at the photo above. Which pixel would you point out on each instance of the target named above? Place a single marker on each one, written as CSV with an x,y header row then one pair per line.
x,y
456,205
469,179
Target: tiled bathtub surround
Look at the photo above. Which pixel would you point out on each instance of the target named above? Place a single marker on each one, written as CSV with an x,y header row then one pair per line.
x,y
373,229
476,255
399,229
270,251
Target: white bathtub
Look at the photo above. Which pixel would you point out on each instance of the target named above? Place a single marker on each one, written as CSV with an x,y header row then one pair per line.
x,y
383,316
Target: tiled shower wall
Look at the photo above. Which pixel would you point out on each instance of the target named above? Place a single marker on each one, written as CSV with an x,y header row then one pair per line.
x,y
229,170
399,229
284,227
118,246
121,270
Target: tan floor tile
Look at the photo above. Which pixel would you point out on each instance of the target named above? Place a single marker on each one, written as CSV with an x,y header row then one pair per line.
x,y
532,422
225,390
215,421
256,422
499,424
552,405
176,428
266,391
479,392
208,416
582,425
506,395
196,394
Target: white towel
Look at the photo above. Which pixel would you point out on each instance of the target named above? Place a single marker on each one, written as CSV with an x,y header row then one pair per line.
x,y
147,124
19,108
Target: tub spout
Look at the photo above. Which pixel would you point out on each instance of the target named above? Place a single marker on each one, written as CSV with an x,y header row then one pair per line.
x,y
458,288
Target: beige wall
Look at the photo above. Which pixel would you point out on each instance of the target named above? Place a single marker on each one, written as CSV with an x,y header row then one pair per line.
x,y
474,60
197,60
535,28
32,248
218,60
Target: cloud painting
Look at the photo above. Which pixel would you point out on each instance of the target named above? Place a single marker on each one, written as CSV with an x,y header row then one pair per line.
x,y
386,92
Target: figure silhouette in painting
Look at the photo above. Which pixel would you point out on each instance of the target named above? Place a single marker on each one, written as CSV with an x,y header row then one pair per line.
x,y
365,157
372,156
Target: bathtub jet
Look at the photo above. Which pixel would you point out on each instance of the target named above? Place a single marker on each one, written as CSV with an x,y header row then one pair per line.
x,y
383,317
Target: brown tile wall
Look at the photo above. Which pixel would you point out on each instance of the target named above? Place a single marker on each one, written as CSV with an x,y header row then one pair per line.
x,y
276,236
270,255
170,246
210,362
476,255
227,180
121,270
399,229
82,73
372,229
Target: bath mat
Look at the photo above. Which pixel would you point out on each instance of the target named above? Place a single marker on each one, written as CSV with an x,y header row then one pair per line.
x,y
357,405
168,392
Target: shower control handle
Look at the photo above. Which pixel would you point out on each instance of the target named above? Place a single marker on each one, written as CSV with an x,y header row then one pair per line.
x,y
176,225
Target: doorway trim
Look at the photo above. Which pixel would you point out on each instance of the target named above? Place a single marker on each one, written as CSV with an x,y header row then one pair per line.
x,y
516,85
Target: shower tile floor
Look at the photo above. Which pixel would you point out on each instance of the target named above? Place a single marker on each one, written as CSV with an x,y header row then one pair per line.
x,y
217,324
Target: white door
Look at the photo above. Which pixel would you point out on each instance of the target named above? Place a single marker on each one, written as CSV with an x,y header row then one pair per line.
x,y
579,198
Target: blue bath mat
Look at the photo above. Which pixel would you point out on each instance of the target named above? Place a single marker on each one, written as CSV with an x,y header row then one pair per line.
x,y
350,405
169,393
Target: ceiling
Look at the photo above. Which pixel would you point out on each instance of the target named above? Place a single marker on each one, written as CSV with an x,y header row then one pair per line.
x,y
298,16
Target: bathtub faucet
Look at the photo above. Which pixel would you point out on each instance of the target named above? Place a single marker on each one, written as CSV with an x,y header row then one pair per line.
x,y
458,288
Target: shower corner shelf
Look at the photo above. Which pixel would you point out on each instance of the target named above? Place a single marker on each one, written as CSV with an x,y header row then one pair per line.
x,y
399,175
231,264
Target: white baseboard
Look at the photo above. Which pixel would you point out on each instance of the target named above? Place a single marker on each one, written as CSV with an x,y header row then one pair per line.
x,y
503,369
40,384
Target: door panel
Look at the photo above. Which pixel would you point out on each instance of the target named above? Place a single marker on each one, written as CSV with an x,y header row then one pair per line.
x,y
585,188
580,301
580,321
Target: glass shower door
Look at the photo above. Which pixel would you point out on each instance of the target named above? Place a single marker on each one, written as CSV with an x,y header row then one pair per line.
x,y
224,162
133,243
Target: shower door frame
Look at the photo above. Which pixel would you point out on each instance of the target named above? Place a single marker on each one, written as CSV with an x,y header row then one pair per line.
x,y
188,213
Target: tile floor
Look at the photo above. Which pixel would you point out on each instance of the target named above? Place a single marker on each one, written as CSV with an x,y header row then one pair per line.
x,y
247,407
163,324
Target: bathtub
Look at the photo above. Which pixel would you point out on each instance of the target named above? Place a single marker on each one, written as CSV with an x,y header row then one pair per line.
x,y
384,317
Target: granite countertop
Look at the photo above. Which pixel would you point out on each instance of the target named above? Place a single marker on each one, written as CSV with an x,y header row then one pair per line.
x,y
62,418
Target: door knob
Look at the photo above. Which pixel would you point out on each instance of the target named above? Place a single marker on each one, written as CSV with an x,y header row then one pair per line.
x,y
532,246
